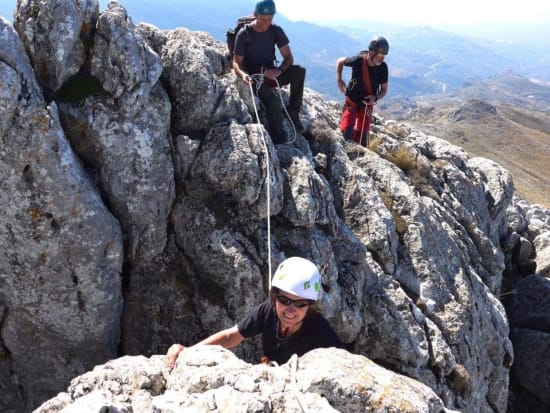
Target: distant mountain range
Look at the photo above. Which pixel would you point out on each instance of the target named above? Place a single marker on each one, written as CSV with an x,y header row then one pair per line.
x,y
507,87
422,60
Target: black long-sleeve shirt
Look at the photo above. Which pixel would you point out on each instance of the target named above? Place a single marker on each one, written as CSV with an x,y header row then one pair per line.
x,y
315,332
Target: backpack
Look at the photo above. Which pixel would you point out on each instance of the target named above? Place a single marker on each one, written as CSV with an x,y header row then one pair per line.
x,y
231,34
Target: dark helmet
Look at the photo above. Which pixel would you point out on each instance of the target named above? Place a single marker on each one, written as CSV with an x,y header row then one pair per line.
x,y
379,45
265,7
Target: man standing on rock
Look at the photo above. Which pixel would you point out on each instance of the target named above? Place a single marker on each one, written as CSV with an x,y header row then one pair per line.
x,y
368,84
255,54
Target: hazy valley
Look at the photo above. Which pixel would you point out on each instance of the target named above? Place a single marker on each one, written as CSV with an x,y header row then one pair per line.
x,y
506,119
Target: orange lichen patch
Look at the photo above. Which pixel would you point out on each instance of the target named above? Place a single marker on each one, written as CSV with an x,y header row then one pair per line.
x,y
86,28
386,400
74,212
35,214
42,121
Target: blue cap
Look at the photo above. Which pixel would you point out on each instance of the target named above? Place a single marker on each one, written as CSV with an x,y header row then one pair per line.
x,y
265,7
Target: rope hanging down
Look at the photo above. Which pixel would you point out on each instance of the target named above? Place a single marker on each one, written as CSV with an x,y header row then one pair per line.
x,y
297,393
365,114
258,80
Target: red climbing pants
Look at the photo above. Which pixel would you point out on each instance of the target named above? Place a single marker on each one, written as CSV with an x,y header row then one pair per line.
x,y
355,122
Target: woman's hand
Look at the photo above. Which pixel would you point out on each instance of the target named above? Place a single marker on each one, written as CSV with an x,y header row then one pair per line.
x,y
172,355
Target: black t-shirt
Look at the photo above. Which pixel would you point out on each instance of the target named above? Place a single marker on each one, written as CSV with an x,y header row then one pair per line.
x,y
315,332
258,48
356,88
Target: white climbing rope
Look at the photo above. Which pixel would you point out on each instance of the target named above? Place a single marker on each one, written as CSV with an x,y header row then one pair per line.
x,y
286,112
363,128
293,364
297,393
258,80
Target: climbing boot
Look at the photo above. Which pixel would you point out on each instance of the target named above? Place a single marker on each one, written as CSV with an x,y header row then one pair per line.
x,y
295,117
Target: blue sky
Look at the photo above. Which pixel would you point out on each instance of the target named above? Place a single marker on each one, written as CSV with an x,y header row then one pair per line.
x,y
433,12
419,11
489,19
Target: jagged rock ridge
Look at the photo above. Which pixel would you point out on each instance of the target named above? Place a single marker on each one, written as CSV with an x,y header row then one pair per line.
x,y
135,214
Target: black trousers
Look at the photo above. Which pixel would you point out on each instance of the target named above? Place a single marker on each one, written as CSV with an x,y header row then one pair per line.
x,y
295,77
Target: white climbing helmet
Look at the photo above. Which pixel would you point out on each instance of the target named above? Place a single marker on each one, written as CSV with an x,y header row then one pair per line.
x,y
298,276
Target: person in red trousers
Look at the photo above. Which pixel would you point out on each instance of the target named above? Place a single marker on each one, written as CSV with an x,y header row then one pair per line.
x,y
368,84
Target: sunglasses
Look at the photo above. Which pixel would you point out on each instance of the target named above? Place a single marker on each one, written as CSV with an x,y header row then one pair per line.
x,y
296,303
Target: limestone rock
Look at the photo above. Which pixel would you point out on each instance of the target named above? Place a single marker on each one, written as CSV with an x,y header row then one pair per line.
x,y
233,159
61,258
201,88
57,35
127,67
210,378
129,157
532,363
542,260
155,187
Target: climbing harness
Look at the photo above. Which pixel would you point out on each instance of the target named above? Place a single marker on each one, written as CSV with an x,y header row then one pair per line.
x,y
358,150
368,108
257,80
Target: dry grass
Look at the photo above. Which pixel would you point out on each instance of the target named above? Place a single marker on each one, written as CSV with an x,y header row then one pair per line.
x,y
374,142
415,166
404,159
461,381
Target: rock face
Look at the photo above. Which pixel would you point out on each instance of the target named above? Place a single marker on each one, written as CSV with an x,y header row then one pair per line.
x,y
215,380
126,66
136,190
57,35
527,305
61,249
